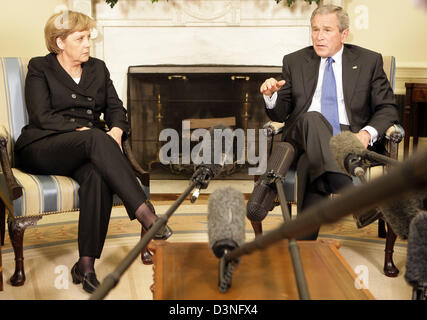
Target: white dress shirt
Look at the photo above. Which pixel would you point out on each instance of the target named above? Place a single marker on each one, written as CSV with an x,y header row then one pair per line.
x,y
315,103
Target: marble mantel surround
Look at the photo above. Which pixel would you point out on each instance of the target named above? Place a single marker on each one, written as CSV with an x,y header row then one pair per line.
x,y
242,32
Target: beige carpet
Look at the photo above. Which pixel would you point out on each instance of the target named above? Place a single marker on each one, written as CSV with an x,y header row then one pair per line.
x,y
51,251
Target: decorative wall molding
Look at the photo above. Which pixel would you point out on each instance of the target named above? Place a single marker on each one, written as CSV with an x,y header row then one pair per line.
x,y
410,72
138,32
134,30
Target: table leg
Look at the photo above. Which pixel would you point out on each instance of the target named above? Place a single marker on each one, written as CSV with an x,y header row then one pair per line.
x,y
1,273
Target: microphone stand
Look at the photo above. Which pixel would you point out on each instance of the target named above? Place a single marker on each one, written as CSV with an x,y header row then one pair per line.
x,y
200,179
293,246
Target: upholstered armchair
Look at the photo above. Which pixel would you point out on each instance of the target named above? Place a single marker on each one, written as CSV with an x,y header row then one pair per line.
x,y
26,198
388,146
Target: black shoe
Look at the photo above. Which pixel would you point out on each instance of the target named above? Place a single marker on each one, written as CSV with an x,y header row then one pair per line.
x,y
165,232
90,282
367,218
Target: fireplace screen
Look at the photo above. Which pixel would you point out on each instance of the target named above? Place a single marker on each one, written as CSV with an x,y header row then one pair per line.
x,y
161,97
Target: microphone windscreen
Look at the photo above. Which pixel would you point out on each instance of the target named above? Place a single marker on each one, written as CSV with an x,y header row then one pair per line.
x,y
263,196
344,144
416,261
399,214
226,220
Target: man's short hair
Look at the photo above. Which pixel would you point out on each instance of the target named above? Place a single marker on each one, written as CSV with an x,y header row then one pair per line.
x,y
343,19
63,24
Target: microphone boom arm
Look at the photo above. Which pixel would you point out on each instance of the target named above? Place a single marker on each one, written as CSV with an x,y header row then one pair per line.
x,y
113,278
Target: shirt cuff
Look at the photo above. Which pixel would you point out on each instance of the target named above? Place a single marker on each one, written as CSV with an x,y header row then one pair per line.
x,y
373,132
270,102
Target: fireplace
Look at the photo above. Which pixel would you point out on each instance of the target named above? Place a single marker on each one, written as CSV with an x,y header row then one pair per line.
x,y
206,33
162,96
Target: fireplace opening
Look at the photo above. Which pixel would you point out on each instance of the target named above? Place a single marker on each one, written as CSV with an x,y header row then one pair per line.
x,y
163,96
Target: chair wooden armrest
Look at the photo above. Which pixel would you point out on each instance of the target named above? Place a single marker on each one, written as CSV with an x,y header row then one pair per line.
x,y
15,189
395,133
143,175
273,128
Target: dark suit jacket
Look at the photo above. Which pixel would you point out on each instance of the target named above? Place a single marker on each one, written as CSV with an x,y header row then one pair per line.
x,y
56,104
368,97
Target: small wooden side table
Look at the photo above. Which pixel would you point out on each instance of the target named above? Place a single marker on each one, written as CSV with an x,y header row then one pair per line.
x,y
189,271
416,93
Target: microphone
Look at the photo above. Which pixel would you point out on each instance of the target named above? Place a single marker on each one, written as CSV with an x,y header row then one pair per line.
x,y
226,220
226,229
349,153
346,149
264,192
211,165
416,262
400,213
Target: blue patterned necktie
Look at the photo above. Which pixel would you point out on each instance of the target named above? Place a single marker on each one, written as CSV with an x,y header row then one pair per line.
x,y
329,101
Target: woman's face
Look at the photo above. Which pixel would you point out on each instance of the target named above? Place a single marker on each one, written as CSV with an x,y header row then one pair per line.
x,y
76,46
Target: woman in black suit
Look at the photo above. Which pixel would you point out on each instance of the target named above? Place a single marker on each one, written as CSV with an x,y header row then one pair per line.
x,y
66,91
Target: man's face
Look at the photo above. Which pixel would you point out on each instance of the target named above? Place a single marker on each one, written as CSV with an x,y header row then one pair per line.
x,y
326,36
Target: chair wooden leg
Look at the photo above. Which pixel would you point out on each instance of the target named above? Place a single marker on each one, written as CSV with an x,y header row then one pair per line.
x,y
146,255
390,269
382,233
17,228
2,222
2,232
1,273
257,225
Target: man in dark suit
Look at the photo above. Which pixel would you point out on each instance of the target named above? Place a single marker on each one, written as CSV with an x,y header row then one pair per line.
x,y
326,88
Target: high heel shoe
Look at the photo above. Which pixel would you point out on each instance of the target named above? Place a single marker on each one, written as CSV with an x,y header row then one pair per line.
x,y
165,232
90,282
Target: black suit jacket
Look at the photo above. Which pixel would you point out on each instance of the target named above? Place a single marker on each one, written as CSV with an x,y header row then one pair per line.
x,y
56,104
368,96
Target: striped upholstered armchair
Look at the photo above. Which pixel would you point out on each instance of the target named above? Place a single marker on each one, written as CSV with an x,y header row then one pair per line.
x,y
26,198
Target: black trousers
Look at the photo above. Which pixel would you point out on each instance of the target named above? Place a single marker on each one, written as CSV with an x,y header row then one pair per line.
x,y
96,162
318,173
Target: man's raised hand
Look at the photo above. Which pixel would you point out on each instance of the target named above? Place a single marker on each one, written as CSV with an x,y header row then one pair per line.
x,y
270,86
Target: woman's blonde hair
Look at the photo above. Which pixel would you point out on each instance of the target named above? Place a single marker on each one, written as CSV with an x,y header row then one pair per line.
x,y
63,24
